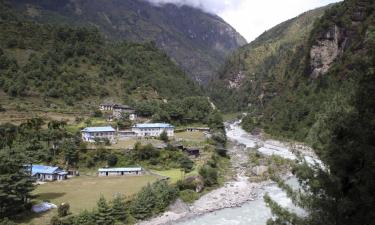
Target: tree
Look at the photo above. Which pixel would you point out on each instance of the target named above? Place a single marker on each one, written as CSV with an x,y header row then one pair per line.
x,y
164,136
15,183
6,221
8,133
119,208
85,218
70,151
142,206
343,191
112,160
103,215
97,113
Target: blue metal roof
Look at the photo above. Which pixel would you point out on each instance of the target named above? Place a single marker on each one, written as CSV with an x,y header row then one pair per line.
x,y
99,129
153,125
44,169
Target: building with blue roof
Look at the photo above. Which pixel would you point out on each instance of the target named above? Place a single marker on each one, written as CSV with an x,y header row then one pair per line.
x,y
153,129
48,173
90,134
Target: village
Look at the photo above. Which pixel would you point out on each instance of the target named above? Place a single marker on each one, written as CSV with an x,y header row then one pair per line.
x,y
142,152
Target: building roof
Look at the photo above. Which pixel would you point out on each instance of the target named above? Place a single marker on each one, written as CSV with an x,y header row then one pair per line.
x,y
117,106
35,169
107,104
99,129
124,169
153,125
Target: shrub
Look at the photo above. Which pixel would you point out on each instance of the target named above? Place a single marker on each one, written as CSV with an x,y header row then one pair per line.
x,y
210,175
189,196
63,209
97,113
6,221
112,160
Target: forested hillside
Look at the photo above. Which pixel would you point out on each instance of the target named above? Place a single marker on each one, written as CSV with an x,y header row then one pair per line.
x,y
71,66
334,109
196,40
304,81
257,72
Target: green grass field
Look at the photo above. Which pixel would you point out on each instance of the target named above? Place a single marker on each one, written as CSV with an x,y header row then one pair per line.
x,y
191,136
129,143
83,192
175,174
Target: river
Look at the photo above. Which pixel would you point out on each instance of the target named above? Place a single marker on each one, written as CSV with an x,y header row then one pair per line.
x,y
238,201
253,212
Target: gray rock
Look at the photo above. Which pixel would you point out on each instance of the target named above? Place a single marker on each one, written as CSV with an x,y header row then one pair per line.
x,y
259,170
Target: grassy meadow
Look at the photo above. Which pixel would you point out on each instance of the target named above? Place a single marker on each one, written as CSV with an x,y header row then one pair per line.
x,y
83,192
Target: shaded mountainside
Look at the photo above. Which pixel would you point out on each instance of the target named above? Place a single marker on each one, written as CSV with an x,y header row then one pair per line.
x,y
298,83
45,64
197,41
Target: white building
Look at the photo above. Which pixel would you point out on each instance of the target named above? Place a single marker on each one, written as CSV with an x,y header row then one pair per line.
x,y
47,173
90,134
153,129
130,171
119,110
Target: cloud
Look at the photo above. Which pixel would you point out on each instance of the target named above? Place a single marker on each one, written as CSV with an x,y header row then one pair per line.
x,y
212,6
252,17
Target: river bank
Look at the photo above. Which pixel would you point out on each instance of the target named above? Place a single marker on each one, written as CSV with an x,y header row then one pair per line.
x,y
237,192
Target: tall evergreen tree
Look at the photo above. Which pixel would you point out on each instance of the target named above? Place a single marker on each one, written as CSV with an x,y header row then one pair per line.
x,y
118,208
143,204
15,183
104,213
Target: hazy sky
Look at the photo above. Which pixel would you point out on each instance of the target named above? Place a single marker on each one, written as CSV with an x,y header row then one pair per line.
x,y
252,17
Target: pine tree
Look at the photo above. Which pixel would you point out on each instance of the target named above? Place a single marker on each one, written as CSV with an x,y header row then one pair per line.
x,y
85,218
104,214
144,203
15,183
118,208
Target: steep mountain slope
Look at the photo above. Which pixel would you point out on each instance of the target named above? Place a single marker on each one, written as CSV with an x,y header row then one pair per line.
x,y
197,41
258,71
292,91
46,64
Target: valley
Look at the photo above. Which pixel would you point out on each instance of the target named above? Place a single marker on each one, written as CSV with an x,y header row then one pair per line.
x,y
241,194
158,112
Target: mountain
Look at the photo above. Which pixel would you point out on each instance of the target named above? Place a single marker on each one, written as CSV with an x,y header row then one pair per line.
x,y
258,71
196,40
56,66
292,76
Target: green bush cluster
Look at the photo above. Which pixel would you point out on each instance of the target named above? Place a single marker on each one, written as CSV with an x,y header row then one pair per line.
x,y
182,111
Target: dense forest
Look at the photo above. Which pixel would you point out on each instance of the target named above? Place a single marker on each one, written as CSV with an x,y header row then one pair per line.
x,y
71,64
196,40
279,91
334,113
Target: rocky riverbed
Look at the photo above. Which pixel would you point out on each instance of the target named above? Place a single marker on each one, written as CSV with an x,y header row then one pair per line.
x,y
238,191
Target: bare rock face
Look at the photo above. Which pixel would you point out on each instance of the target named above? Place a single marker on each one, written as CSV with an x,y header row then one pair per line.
x,y
236,81
325,51
259,170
